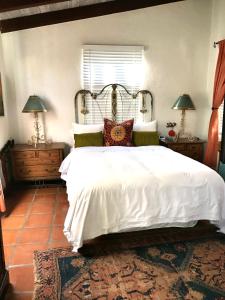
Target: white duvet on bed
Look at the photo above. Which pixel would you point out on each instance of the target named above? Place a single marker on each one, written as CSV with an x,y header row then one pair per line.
x,y
113,189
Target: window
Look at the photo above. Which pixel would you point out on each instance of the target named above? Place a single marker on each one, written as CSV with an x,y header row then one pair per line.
x,y
104,65
220,120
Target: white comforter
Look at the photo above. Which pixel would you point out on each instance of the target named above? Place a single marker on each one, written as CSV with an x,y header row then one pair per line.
x,y
112,189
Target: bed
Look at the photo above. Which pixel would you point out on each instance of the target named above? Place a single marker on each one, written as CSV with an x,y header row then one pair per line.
x,y
117,189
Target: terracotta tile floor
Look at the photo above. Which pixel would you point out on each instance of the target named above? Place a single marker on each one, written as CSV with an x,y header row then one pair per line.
x,y
35,222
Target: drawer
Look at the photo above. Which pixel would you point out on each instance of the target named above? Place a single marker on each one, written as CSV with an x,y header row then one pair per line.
x,y
195,151
184,152
37,157
23,154
178,147
52,154
194,147
29,172
36,154
37,161
196,156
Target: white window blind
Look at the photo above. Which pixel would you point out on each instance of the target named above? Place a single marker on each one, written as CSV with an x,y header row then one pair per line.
x,y
220,120
104,65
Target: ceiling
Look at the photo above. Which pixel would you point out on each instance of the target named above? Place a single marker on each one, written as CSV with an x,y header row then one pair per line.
x,y
23,14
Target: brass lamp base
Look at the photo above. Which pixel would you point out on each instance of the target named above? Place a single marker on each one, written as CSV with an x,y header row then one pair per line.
x,y
34,141
182,136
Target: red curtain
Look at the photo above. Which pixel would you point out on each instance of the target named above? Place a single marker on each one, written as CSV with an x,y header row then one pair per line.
x,y
2,184
218,96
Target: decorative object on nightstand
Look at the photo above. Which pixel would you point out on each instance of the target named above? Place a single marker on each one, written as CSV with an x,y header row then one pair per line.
x,y
183,103
41,163
171,133
35,105
192,149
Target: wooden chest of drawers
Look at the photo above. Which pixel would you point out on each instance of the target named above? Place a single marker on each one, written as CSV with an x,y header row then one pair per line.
x,y
190,149
39,163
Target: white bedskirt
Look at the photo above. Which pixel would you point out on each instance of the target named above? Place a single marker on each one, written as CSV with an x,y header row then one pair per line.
x,y
114,189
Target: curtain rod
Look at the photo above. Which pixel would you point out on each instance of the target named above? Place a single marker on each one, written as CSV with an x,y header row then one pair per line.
x,y
215,43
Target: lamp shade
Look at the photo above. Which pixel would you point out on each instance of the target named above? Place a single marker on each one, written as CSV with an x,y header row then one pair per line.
x,y
184,102
34,104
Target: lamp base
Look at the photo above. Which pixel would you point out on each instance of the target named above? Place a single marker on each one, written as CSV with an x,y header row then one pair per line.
x,y
42,140
184,137
34,141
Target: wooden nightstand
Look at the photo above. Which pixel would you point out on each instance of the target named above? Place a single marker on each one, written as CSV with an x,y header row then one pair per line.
x,y
190,149
41,163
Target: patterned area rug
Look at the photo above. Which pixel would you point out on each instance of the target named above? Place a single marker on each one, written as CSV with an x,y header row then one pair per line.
x,y
189,270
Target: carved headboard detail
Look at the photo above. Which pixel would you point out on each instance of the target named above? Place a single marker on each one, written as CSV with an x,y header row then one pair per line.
x,y
83,94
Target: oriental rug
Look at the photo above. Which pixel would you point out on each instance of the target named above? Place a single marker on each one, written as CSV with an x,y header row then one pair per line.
x,y
180,270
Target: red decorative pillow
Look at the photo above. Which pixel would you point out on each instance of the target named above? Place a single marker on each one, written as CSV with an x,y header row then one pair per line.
x,y
118,134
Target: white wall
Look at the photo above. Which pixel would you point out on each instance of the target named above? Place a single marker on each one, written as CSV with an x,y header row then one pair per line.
x,y
46,61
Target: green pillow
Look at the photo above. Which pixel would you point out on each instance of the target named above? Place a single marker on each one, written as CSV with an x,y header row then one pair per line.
x,y
145,138
88,139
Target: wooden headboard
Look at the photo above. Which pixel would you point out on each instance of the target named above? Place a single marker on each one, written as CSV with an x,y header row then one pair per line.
x,y
115,90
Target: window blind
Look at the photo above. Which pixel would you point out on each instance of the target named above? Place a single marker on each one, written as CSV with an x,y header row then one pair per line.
x,y
220,120
104,65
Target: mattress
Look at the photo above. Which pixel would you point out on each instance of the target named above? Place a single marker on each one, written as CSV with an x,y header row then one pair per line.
x,y
113,189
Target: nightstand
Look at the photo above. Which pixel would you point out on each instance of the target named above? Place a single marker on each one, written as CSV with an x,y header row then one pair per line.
x,y
41,163
191,149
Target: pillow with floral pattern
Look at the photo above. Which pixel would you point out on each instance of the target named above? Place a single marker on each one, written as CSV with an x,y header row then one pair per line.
x,y
118,134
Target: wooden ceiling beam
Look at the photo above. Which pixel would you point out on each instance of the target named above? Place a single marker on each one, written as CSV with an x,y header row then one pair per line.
x,y
9,5
77,13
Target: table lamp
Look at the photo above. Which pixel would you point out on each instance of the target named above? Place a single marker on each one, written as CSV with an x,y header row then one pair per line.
x,y
183,103
35,105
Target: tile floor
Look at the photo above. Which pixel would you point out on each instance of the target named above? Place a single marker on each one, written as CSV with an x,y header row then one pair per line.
x,y
34,223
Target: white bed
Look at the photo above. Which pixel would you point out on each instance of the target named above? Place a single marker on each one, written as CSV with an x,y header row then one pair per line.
x,y
113,189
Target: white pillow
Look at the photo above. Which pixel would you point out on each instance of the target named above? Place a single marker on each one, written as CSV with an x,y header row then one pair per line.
x,y
145,126
86,128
